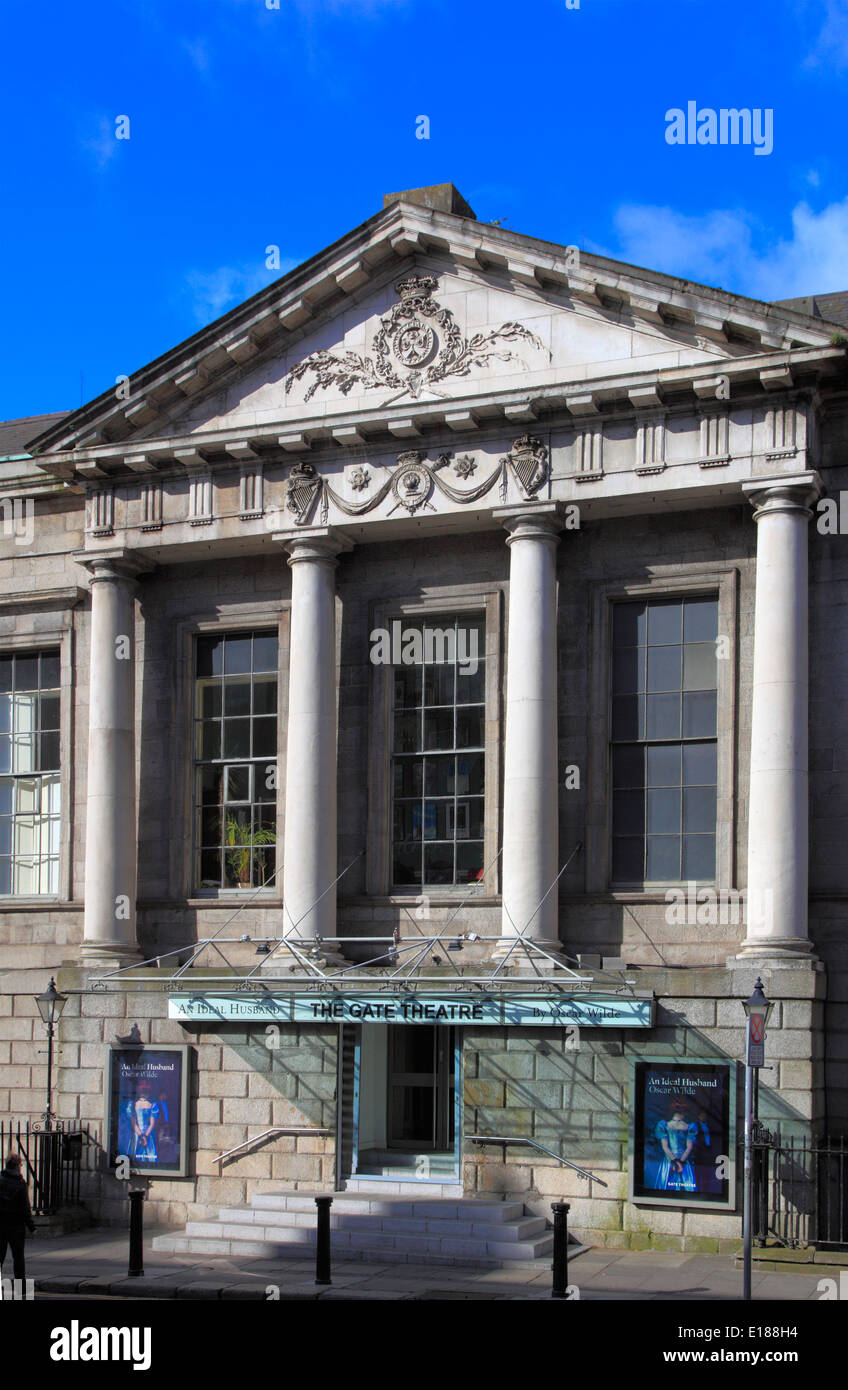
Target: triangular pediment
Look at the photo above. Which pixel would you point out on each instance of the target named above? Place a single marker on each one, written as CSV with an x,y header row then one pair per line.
x,y
419,309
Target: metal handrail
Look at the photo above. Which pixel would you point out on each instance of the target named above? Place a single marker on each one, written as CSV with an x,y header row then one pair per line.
x,y
517,1139
275,1129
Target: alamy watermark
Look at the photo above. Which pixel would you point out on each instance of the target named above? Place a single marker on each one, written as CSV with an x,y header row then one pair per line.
x,y
412,646
725,907
725,126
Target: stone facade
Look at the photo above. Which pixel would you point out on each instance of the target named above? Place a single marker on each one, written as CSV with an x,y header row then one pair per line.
x,y
438,417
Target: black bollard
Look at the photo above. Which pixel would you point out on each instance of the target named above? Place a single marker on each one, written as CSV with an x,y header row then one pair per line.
x,y
560,1285
136,1266
322,1244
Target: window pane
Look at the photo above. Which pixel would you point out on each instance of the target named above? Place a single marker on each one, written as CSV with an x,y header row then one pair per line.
x,y
407,686
236,740
439,777
628,766
210,868
699,714
211,827
265,649
265,696
408,776
209,702
469,819
665,623
237,697
699,809
628,670
628,813
5,714
469,726
210,656
700,764
211,783
663,716
209,738
471,685
438,729
49,752
469,862
6,669
470,773
407,864
438,863
700,620
48,712
628,859
238,783
407,733
664,670
664,811
5,835
6,796
700,669
265,737
439,685
628,717
236,655
662,857
699,856
5,753
663,767
49,671
629,624
26,673
407,820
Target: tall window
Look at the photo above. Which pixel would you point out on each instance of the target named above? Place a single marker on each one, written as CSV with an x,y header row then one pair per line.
x,y
29,773
438,733
235,759
664,757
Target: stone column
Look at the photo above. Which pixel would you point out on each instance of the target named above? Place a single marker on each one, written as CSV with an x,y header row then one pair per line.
x,y
309,864
530,839
111,846
778,798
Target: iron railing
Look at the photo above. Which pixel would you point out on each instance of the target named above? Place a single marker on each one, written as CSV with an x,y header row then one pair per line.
x,y
510,1139
800,1189
53,1159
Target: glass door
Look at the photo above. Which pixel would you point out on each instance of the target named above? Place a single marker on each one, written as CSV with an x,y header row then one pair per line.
x,y
421,1088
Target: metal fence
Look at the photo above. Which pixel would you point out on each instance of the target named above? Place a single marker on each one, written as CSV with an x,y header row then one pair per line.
x,y
800,1189
53,1160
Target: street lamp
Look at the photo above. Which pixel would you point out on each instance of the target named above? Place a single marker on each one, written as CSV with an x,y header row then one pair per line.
x,y
757,1011
50,1006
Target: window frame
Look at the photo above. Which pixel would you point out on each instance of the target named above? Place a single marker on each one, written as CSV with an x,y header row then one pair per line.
x,y
33,643
486,602
690,581
274,616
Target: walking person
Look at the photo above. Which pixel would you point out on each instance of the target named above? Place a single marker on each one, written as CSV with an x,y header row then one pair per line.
x,y
15,1216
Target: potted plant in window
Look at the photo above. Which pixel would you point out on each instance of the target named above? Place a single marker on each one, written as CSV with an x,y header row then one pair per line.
x,y
243,853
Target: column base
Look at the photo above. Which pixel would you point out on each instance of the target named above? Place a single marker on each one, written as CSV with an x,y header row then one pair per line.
x,y
112,954
787,950
519,957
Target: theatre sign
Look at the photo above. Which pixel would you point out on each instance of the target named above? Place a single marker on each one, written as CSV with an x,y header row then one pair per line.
x,y
497,1010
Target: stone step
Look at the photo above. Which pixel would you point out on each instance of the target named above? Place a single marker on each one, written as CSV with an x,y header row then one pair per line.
x,y
247,1222
358,1246
442,1208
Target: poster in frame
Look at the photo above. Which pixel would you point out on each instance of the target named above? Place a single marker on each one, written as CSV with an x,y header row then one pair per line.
x,y
146,1108
683,1132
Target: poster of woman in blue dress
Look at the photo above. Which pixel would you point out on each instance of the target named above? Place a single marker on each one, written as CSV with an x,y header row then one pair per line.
x,y
677,1136
148,1090
683,1133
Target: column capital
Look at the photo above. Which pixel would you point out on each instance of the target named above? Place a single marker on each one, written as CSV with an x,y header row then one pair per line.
x,y
787,494
314,543
113,565
535,521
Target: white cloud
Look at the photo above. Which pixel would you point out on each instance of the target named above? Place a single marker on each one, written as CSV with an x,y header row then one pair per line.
x,y
730,249
213,292
831,47
103,145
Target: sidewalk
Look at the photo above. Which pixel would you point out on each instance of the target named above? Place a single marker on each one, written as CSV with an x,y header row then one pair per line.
x,y
94,1263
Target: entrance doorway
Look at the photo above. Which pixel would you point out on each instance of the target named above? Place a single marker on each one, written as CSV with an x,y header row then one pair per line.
x,y
400,1099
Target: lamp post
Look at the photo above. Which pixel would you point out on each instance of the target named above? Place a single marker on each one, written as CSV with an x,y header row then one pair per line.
x,y
50,1006
757,1011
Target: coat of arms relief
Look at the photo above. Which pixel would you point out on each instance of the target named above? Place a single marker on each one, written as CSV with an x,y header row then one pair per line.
x,y
417,345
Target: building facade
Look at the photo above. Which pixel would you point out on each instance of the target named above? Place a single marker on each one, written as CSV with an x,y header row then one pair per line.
x,y
426,716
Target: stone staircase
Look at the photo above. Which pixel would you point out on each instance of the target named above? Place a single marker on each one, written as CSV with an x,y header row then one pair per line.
x,y
390,1228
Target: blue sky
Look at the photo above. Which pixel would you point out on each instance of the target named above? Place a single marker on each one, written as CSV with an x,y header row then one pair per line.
x,y
252,126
